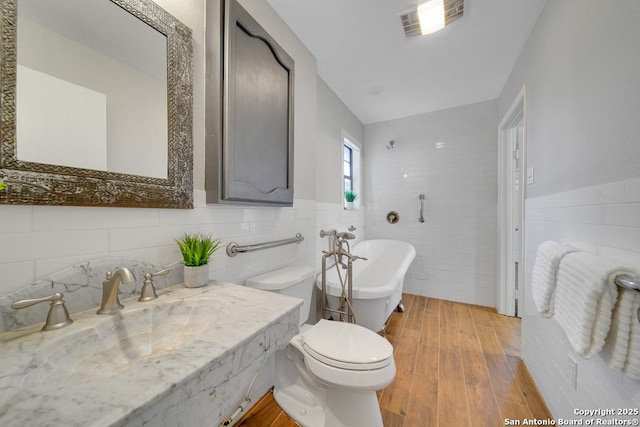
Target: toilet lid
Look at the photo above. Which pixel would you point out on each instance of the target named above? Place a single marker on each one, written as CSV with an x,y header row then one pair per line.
x,y
347,346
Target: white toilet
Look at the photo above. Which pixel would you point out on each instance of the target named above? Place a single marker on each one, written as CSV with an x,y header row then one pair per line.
x,y
329,373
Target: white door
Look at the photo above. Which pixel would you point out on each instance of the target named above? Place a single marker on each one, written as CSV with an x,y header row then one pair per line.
x,y
511,188
517,219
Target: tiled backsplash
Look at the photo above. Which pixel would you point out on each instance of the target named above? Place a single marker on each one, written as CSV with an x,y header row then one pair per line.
x,y
451,157
38,242
81,287
604,220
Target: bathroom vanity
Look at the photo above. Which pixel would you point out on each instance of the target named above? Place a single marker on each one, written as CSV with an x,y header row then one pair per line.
x,y
187,358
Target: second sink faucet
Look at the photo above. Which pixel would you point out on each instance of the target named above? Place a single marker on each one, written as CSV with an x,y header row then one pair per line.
x,y
110,301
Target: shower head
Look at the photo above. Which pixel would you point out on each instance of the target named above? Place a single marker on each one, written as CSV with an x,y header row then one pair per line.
x,y
390,145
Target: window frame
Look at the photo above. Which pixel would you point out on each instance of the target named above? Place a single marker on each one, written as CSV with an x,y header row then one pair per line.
x,y
347,177
355,169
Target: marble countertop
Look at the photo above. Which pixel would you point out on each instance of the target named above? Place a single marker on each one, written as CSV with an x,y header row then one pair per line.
x,y
85,374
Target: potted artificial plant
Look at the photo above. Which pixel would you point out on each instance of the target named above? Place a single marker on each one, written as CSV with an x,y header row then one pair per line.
x,y
350,196
196,250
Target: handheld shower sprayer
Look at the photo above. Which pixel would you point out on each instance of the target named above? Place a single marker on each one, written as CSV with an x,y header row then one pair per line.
x,y
421,197
346,236
342,245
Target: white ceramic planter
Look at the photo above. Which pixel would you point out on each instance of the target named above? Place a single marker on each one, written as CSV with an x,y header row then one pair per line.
x,y
195,277
349,206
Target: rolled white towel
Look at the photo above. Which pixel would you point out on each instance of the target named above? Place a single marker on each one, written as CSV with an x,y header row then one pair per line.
x,y
616,344
545,270
585,297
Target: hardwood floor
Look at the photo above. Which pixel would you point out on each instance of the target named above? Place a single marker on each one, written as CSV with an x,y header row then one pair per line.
x,y
457,365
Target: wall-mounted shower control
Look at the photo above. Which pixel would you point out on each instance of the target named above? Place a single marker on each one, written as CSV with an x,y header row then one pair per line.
x,y
393,217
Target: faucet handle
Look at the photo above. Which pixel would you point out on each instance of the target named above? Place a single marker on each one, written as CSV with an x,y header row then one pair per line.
x,y
58,316
160,273
148,292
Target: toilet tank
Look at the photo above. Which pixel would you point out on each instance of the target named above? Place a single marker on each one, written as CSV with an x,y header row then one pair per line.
x,y
296,281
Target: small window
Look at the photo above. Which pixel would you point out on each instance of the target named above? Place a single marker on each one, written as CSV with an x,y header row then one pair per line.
x,y
351,170
348,168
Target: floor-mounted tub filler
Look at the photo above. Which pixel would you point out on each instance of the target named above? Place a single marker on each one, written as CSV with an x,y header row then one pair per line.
x,y
377,281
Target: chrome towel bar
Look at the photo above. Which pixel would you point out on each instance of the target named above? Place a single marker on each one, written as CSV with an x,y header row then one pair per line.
x,y
628,282
234,249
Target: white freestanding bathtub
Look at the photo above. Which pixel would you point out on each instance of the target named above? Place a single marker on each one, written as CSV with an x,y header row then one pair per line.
x,y
377,282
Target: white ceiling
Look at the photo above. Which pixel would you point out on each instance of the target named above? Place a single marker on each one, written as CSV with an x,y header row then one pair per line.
x,y
104,27
360,44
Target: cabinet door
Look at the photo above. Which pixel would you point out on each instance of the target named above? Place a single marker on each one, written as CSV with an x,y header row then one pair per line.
x,y
257,150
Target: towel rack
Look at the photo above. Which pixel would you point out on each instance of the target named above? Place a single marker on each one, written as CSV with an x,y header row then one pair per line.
x,y
628,282
234,249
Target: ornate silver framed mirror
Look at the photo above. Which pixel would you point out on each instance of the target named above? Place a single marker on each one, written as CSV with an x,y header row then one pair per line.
x,y
112,129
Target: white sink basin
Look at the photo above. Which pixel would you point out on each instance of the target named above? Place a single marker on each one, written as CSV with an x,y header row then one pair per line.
x,y
116,342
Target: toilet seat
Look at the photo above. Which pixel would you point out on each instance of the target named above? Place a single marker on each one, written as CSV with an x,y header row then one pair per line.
x,y
346,346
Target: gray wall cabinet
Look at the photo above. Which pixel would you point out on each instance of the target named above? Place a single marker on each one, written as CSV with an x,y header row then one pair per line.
x,y
249,125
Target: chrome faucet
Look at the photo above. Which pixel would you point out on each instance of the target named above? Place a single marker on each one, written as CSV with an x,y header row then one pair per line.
x,y
110,301
327,233
346,236
342,241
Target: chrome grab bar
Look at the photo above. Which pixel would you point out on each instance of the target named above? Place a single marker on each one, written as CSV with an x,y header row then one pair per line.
x,y
234,249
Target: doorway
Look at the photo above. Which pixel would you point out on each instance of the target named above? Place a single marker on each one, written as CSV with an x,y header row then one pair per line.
x,y
511,196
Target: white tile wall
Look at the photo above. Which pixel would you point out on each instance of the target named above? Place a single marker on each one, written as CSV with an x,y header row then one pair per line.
x,y
36,241
456,246
605,220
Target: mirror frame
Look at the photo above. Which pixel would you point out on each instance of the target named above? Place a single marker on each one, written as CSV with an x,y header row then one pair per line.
x,y
30,183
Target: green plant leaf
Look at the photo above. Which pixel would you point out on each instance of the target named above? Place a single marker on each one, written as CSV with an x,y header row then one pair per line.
x,y
350,196
196,249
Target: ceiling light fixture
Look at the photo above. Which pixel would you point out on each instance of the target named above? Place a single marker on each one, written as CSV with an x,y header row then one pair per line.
x,y
430,16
